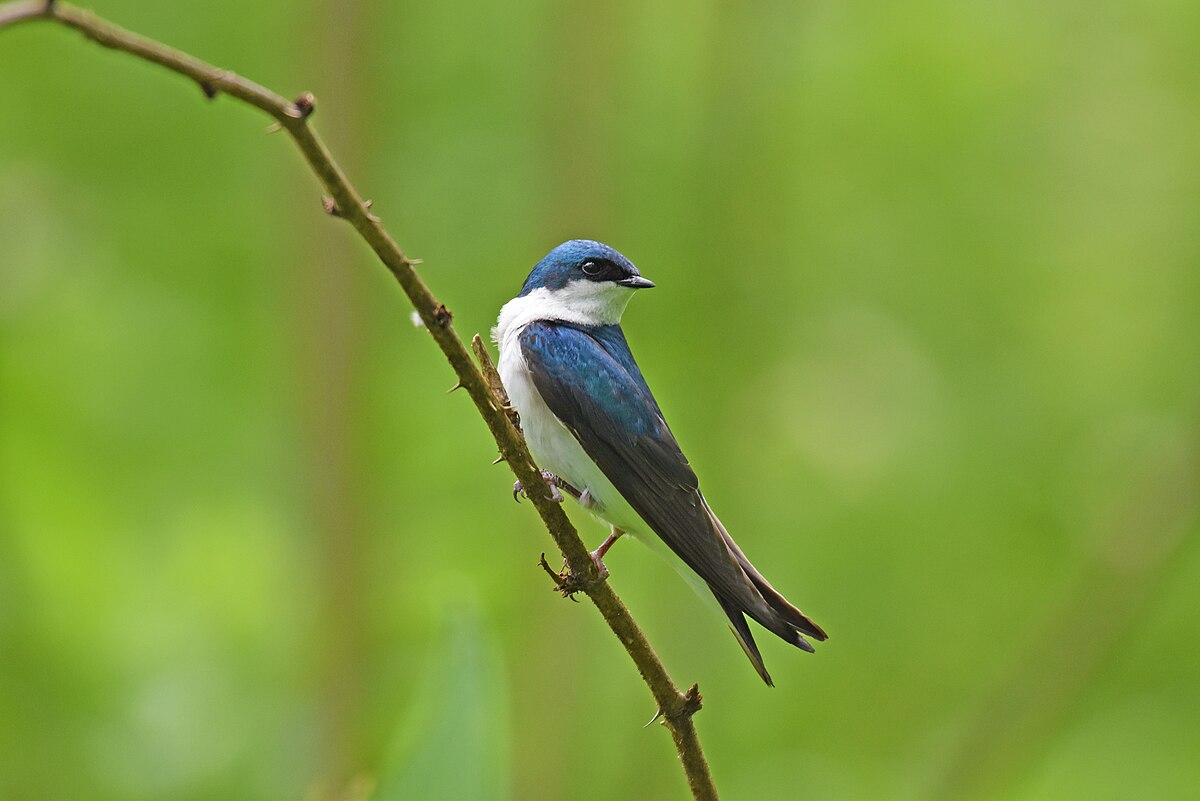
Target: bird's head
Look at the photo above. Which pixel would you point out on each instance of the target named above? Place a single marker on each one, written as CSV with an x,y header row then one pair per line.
x,y
588,279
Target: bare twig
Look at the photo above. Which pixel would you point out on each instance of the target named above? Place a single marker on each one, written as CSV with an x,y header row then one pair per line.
x,y
344,201
492,376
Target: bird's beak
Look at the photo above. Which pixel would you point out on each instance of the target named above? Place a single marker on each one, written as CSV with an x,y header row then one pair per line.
x,y
636,282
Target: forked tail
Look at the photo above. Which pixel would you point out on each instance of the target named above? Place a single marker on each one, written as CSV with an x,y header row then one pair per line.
x,y
778,616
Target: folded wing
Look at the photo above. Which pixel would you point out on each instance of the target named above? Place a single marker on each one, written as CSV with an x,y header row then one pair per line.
x,y
589,380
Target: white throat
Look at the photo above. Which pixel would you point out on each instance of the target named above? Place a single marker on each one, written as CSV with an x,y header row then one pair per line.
x,y
580,302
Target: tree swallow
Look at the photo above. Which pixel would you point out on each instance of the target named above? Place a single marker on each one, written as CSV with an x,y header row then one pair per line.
x,y
593,426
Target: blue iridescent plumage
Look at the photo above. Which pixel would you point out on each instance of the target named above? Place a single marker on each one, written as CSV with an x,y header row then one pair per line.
x,y
608,374
590,417
557,268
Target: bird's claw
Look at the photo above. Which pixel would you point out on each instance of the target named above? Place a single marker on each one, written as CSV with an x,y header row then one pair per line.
x,y
553,483
598,561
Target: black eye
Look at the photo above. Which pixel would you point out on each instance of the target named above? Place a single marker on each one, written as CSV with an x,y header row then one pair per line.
x,y
592,268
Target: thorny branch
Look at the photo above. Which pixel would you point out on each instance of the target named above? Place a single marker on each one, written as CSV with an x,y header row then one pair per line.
x,y
675,707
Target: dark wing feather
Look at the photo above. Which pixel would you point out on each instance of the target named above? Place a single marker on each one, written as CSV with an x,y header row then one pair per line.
x,y
619,425
589,381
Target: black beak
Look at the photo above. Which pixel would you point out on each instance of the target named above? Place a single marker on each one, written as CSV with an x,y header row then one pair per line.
x,y
636,282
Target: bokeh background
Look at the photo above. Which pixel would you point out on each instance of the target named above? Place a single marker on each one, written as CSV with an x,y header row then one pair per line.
x,y
928,327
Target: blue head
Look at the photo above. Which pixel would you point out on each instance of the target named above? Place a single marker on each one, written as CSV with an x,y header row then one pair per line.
x,y
583,260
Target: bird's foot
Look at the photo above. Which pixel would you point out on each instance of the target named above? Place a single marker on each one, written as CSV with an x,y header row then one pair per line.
x,y
598,554
553,483
598,561
568,582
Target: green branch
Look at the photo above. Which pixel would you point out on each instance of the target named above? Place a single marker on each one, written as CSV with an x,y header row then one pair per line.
x,y
292,116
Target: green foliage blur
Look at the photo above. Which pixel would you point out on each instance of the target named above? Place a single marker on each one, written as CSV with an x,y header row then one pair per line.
x,y
927,325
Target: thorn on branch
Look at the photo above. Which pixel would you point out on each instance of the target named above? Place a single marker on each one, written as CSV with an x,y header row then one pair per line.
x,y
305,105
692,701
567,582
328,203
274,127
689,705
499,459
457,385
211,86
564,582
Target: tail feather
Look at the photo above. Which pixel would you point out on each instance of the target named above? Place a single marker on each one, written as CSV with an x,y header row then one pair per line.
x,y
784,620
741,630
780,605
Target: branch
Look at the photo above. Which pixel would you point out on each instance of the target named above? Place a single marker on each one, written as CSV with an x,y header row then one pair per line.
x,y
675,707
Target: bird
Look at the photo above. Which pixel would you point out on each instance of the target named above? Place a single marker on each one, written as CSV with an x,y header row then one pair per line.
x,y
597,432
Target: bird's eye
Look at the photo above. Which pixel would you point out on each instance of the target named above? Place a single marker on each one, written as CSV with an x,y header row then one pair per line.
x,y
591,267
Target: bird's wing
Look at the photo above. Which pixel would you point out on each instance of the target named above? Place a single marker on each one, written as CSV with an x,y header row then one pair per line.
x,y
589,381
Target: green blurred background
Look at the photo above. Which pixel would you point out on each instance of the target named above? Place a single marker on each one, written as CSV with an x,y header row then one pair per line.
x,y
927,327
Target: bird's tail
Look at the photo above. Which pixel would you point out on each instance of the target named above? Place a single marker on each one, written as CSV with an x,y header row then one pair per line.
x,y
778,616
741,630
